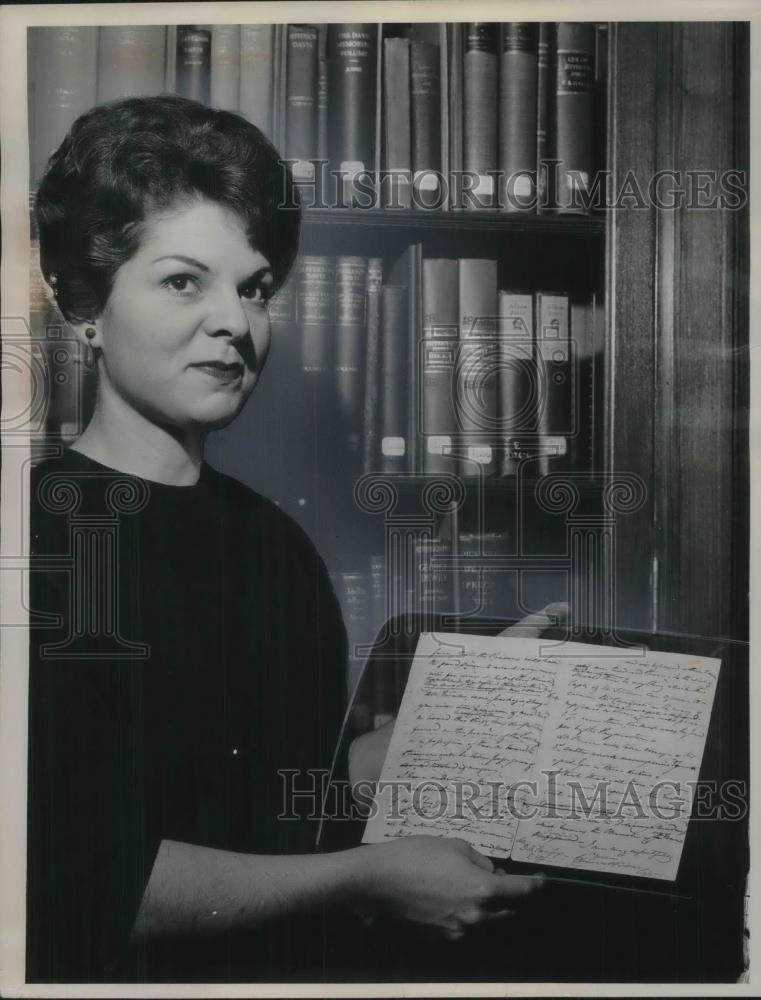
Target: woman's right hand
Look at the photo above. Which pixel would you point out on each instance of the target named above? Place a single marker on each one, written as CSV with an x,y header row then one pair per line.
x,y
442,883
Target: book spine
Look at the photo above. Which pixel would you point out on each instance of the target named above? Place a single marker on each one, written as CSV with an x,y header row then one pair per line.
x,y
478,364
553,358
434,591
301,100
394,327
517,379
316,312
351,81
543,89
351,296
480,591
425,101
64,63
256,74
355,605
574,113
371,422
444,115
194,62
599,126
225,66
480,80
131,61
440,335
170,75
517,117
397,120
454,42
322,92
280,85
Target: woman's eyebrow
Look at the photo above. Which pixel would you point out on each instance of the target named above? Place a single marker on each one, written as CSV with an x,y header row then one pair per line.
x,y
185,260
261,272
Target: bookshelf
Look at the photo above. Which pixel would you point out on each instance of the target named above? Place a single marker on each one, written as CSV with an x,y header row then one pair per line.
x,y
656,299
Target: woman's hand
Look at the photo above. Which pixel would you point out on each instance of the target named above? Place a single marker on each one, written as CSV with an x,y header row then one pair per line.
x,y
441,883
532,626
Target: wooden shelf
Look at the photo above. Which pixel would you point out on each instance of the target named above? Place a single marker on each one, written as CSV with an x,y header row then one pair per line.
x,y
459,221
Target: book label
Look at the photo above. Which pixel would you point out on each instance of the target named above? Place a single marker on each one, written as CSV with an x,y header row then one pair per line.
x,y
440,444
519,36
393,447
481,453
575,72
554,445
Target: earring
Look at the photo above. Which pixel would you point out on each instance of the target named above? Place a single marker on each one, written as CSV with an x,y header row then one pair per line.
x,y
90,351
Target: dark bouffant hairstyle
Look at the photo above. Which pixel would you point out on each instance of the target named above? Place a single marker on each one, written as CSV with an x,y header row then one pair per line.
x,y
123,160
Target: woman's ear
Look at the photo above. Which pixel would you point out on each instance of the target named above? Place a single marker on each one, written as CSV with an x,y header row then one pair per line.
x,y
88,333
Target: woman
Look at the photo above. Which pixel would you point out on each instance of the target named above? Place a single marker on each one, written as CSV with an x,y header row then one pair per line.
x,y
198,648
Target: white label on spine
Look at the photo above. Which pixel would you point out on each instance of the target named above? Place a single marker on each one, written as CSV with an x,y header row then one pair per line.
x,y
480,453
426,180
523,187
440,444
351,168
555,446
393,447
303,170
484,185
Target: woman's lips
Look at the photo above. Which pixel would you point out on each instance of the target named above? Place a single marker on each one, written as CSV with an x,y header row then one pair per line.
x,y
221,372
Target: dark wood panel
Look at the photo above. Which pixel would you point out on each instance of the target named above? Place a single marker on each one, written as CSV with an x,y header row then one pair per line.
x,y
630,324
697,339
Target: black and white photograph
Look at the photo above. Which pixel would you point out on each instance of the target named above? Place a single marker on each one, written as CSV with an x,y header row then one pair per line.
x,y
377,455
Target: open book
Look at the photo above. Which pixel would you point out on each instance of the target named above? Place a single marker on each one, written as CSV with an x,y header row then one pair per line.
x,y
551,753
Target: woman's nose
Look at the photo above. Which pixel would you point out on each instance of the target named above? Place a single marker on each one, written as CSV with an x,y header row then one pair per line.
x,y
227,315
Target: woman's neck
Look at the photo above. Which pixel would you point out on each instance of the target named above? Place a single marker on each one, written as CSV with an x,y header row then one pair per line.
x,y
123,439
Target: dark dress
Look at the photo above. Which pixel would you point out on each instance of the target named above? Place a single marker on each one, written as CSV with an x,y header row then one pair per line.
x,y
199,651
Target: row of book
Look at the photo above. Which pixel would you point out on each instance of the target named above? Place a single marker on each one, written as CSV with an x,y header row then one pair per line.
x,y
470,115
434,369
447,575
428,369
374,594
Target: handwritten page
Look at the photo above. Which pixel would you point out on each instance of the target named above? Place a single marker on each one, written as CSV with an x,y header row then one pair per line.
x,y
618,762
469,729
566,754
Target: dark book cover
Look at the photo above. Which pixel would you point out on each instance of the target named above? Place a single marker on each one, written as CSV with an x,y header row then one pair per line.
x,y
301,100
407,270
394,378
425,106
574,88
62,76
131,61
517,115
441,316
455,109
372,403
225,66
545,39
556,404
518,394
256,74
317,312
194,62
480,111
397,121
351,53
351,304
477,373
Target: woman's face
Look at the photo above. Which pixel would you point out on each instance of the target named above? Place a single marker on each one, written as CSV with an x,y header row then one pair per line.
x,y
185,331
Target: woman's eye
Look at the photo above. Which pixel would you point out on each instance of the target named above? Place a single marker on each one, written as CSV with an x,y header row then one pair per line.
x,y
182,284
254,292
